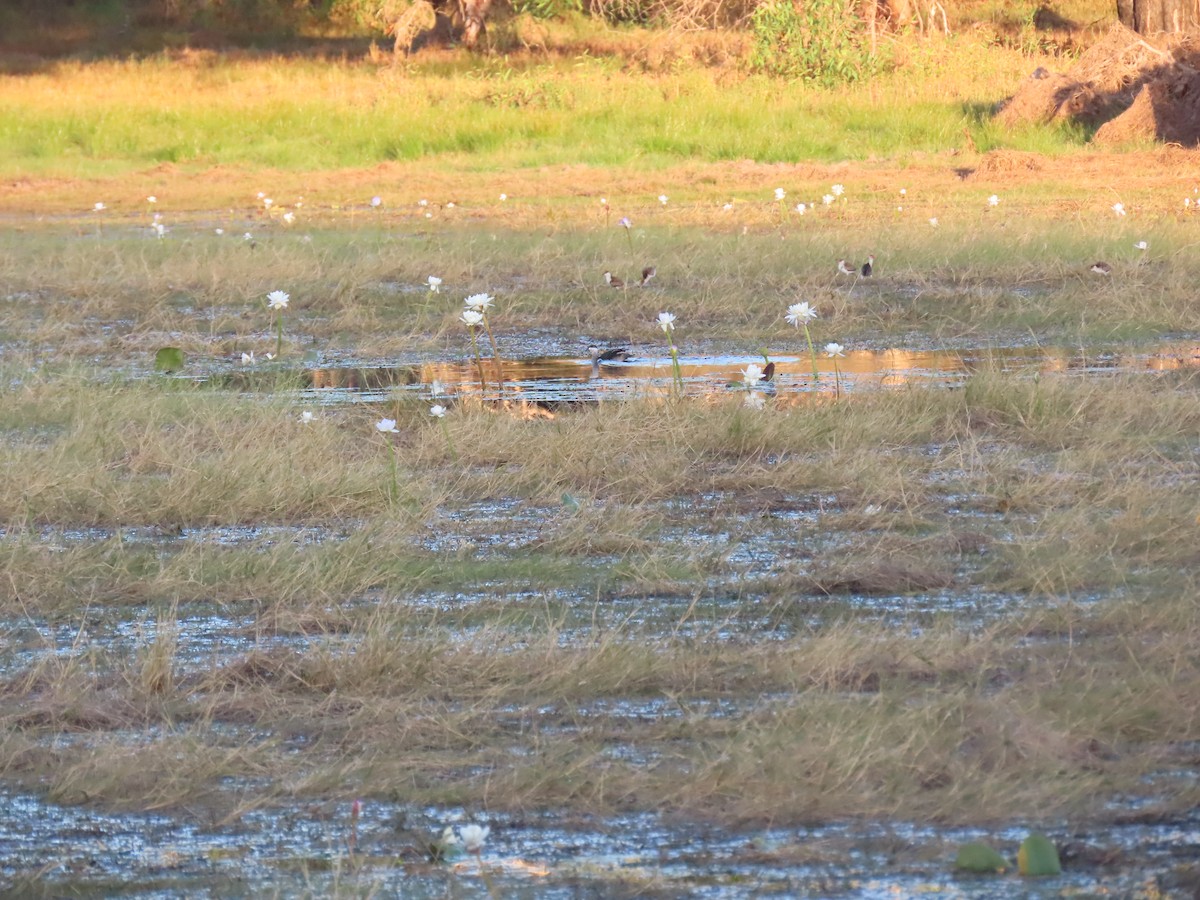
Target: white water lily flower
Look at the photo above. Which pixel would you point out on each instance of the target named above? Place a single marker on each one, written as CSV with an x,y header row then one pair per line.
x,y
933,221
799,313
752,374
801,208
755,400
666,321
837,190
1119,209
429,215
899,209
450,205
422,202
247,236
471,317
248,358
437,410
625,223
993,200
376,201
779,194
833,349
261,195
727,207
435,284
480,302
278,299
662,198
267,202
827,199
387,426
151,199
473,837
306,417
503,197
289,217
903,192
160,229
218,231
1141,245
604,201
449,838
99,207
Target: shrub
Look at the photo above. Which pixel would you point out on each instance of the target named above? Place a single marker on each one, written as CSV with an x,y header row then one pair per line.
x,y
814,40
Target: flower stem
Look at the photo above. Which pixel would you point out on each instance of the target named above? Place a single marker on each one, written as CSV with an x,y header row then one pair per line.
x,y
395,494
495,356
837,380
449,442
676,372
279,335
812,353
478,360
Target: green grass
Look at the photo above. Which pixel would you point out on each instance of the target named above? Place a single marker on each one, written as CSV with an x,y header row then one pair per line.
x,y
291,113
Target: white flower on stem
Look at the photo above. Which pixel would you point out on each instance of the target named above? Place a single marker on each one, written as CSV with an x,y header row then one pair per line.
x,y
437,410
1141,245
827,199
247,236
1118,209
248,358
99,207
278,299
471,317
267,202
801,208
289,217
604,201
450,205
269,356
435,284
503,197
752,374
306,417
429,215
727,207
473,837
993,200
625,223
422,202
662,198
160,230
151,199
779,194
261,195
837,190
933,221
1187,202
480,302
833,349
387,426
903,192
218,231
666,321
799,313
376,201
899,209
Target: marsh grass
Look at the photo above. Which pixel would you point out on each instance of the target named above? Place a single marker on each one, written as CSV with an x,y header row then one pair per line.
x,y
1076,504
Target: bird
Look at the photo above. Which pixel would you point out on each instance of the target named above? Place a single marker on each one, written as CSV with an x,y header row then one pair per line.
x,y
611,354
613,281
1101,268
868,267
648,273
843,268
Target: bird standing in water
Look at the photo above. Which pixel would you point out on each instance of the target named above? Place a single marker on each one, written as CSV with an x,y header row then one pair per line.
x,y
868,267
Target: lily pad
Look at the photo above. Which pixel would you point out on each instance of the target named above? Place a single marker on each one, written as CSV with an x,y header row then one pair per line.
x,y
1037,857
980,858
168,359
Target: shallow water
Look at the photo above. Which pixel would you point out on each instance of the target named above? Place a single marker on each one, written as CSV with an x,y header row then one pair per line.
x,y
551,381
52,850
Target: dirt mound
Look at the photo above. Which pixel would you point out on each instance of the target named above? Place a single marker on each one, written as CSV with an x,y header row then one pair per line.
x,y
1129,87
1166,109
1005,162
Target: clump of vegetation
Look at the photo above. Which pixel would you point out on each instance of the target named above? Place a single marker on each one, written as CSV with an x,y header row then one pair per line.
x,y
818,40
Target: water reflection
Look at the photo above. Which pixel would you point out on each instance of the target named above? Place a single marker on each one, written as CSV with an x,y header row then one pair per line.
x,y
549,382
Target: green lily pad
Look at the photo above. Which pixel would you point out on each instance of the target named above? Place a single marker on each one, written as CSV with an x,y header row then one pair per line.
x,y
1037,857
980,858
168,359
